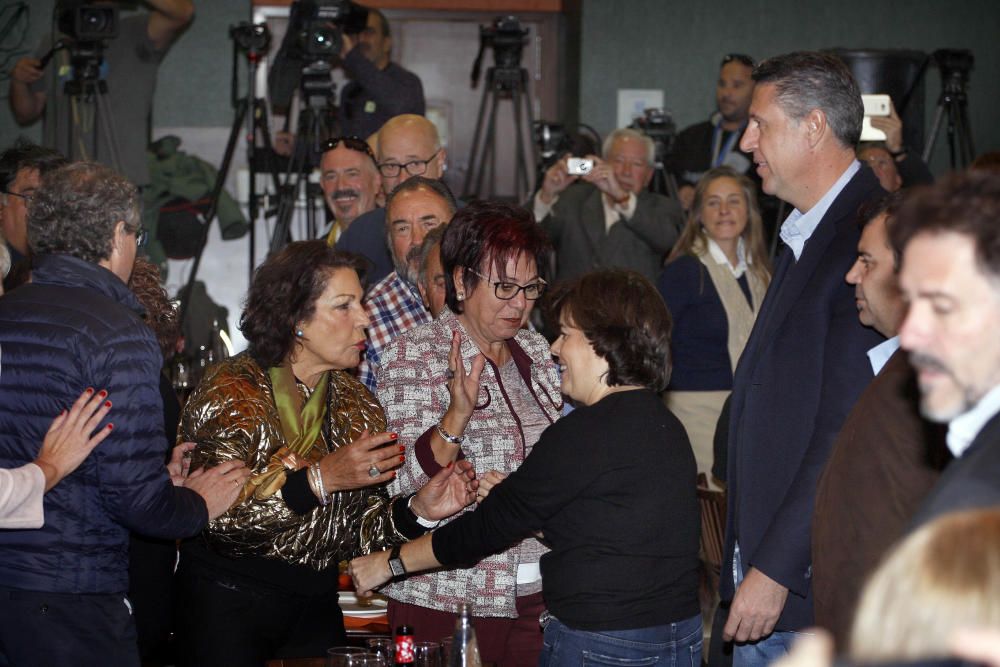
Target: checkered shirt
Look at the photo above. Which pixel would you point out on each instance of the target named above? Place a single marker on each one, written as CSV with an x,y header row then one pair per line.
x,y
394,306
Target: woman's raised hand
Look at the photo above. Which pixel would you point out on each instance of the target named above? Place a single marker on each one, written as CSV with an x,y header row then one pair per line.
x,y
463,387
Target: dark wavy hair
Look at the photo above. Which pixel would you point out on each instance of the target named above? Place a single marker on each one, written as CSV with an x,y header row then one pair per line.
x,y
489,232
27,155
283,293
966,203
76,208
626,321
160,315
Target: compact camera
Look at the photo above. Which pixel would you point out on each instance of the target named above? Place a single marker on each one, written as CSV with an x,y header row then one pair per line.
x,y
578,166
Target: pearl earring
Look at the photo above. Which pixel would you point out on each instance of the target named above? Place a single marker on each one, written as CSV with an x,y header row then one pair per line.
x,y
298,332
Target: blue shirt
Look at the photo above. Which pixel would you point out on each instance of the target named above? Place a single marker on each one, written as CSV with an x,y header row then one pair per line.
x,y
799,226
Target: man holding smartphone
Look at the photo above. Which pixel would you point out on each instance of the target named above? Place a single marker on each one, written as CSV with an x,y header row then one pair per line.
x,y
608,218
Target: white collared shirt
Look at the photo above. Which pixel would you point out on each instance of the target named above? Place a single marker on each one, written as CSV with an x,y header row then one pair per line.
x,y
799,226
880,354
963,429
742,261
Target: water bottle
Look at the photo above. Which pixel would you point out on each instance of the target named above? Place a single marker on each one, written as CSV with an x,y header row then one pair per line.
x,y
464,647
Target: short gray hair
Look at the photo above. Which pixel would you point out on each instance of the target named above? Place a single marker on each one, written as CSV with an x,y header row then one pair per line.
x,y
807,80
629,133
76,209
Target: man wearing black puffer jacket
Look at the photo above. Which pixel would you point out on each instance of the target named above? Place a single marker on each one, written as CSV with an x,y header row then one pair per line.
x,y
76,325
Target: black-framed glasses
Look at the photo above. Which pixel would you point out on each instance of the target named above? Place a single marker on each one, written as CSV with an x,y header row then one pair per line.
x,y
352,143
141,236
413,167
506,290
741,58
26,197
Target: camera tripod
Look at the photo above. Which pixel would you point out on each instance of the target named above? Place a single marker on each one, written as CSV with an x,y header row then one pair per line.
x,y
256,130
317,122
88,111
953,102
502,83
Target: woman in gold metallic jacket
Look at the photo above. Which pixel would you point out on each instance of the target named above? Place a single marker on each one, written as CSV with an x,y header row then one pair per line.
x,y
260,582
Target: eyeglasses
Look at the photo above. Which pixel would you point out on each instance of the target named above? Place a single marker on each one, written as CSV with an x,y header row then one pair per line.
x,y
141,236
413,167
352,143
26,197
505,291
738,57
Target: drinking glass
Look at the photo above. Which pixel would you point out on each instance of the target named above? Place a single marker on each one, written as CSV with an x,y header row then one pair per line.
x,y
427,654
383,647
346,656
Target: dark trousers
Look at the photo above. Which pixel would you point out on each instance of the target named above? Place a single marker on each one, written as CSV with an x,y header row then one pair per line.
x,y
237,622
66,629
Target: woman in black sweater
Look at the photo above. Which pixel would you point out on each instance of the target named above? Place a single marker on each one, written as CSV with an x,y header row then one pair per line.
x,y
611,486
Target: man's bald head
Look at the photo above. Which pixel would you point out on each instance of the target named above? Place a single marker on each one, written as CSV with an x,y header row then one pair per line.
x,y
409,145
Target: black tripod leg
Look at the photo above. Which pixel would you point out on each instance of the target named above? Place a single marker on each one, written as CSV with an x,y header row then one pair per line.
x,y
470,172
220,180
530,115
965,135
489,147
521,171
935,128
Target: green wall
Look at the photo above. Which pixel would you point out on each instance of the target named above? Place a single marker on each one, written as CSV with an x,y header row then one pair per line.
x,y
676,46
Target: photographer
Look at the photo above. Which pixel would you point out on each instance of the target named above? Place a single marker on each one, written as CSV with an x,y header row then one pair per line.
x,y
611,220
378,88
129,67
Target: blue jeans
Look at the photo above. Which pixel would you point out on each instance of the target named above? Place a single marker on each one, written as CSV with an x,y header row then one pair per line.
x,y
762,652
674,645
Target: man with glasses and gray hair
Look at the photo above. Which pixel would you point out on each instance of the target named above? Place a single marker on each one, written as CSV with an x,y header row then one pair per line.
x,y
414,209
609,219
408,146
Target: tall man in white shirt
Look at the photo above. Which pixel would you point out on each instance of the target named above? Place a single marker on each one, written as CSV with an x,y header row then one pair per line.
x,y
805,363
950,244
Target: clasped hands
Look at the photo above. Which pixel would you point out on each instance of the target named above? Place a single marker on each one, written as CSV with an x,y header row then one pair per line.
x,y
602,176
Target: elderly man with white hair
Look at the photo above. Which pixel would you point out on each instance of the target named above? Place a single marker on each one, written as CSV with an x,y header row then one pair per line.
x,y
608,218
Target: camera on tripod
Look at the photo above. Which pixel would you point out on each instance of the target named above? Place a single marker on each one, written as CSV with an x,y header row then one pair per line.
x,y
506,37
85,22
658,125
322,35
954,63
87,27
315,36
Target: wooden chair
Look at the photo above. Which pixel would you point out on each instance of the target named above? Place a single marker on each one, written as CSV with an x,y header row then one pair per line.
x,y
713,527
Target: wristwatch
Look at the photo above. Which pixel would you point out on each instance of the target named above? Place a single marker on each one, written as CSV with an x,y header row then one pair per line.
x,y
396,563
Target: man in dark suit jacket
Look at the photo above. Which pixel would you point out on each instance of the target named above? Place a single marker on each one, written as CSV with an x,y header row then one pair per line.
x,y
949,239
805,363
886,457
610,219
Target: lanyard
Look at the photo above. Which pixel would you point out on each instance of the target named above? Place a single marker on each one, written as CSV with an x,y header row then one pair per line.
x,y
719,156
